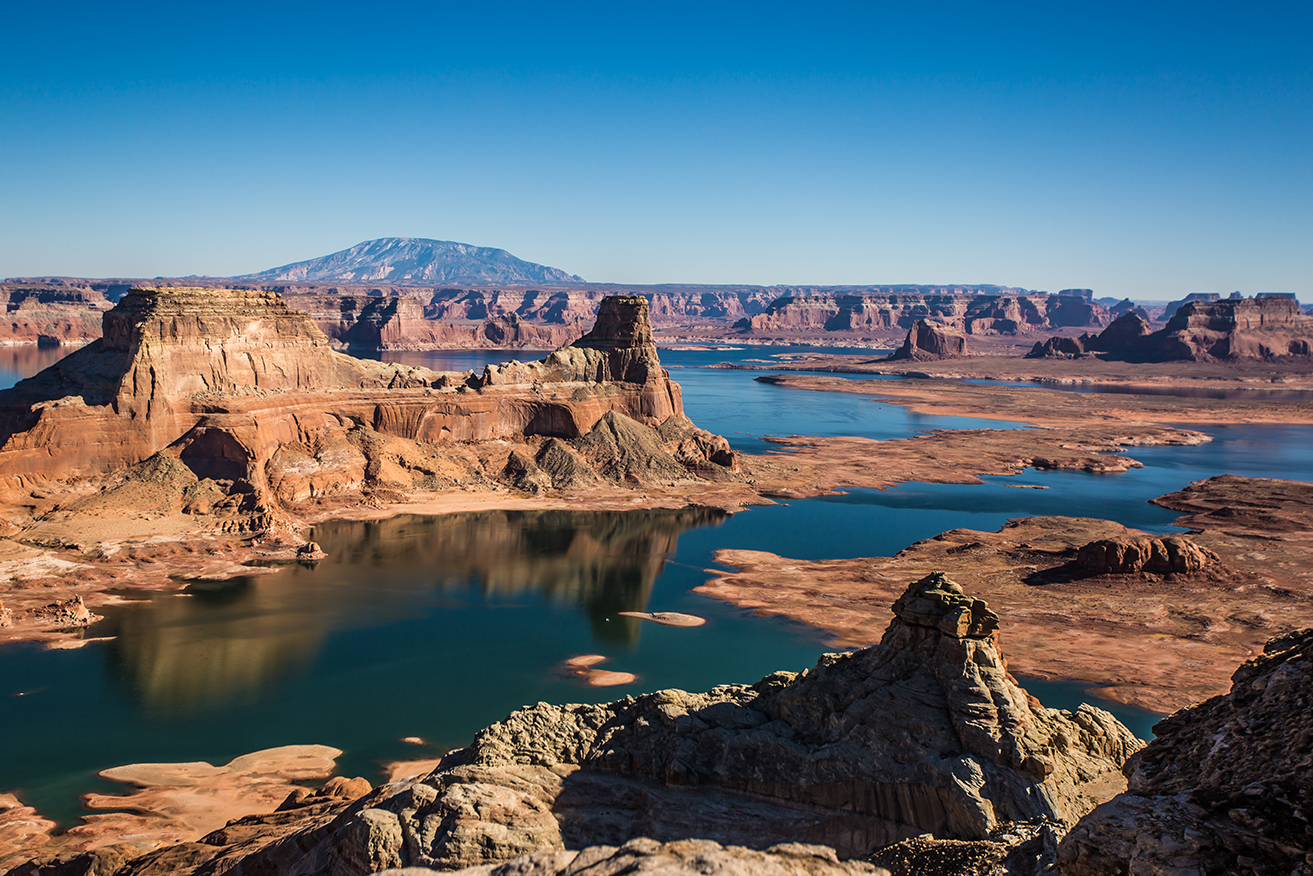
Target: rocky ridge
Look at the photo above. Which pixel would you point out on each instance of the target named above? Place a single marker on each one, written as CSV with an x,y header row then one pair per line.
x,y
924,732
967,310
1226,787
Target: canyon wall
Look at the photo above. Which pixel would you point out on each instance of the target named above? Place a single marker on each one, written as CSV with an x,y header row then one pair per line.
x,y
416,317
40,313
886,314
1200,331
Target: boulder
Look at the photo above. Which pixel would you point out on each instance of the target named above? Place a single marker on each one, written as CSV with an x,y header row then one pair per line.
x,y
1225,787
1126,555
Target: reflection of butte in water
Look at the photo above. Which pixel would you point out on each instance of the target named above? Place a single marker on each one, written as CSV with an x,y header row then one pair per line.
x,y
225,639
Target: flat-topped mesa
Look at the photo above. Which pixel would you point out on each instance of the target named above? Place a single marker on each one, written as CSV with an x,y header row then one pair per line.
x,y
1199,331
238,388
928,342
184,341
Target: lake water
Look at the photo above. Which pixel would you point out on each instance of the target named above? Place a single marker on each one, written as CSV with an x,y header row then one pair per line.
x,y
434,627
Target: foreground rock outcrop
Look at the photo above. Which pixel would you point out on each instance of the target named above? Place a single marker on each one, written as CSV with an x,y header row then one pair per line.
x,y
1226,787
924,732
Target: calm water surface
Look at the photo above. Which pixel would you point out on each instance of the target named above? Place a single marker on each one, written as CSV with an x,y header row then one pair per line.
x,y
434,627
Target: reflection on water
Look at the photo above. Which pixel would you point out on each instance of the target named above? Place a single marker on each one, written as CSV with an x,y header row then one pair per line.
x,y
20,361
222,640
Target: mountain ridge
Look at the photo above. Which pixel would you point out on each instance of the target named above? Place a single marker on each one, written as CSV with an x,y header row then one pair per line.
x,y
418,260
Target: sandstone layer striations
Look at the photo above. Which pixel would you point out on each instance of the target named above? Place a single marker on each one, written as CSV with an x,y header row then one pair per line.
x,y
401,322
924,732
50,315
880,313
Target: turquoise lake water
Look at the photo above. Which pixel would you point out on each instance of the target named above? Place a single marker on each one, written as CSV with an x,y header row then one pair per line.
x,y
434,627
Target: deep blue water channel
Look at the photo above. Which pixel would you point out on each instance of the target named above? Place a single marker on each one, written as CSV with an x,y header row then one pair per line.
x,y
435,627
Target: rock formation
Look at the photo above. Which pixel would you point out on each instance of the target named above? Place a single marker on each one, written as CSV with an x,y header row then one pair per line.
x,y
399,322
974,311
1125,330
1263,328
691,857
1226,787
229,403
1120,556
39,313
1199,331
927,343
1173,306
924,732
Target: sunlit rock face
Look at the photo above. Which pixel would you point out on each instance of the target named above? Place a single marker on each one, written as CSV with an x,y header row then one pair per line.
x,y
978,311
924,732
1270,329
248,394
927,343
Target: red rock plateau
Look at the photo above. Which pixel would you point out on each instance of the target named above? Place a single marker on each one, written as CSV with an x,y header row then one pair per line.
x,y
885,314
419,317
1199,331
40,313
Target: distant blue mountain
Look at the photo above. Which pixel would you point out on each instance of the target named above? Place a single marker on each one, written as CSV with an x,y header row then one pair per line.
x,y
419,261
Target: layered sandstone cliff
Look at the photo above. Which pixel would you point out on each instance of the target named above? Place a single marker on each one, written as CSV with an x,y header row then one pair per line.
x,y
976,312
246,406
399,322
39,313
1268,329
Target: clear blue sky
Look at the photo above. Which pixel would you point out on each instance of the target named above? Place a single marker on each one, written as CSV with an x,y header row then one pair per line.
x,y
1140,149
